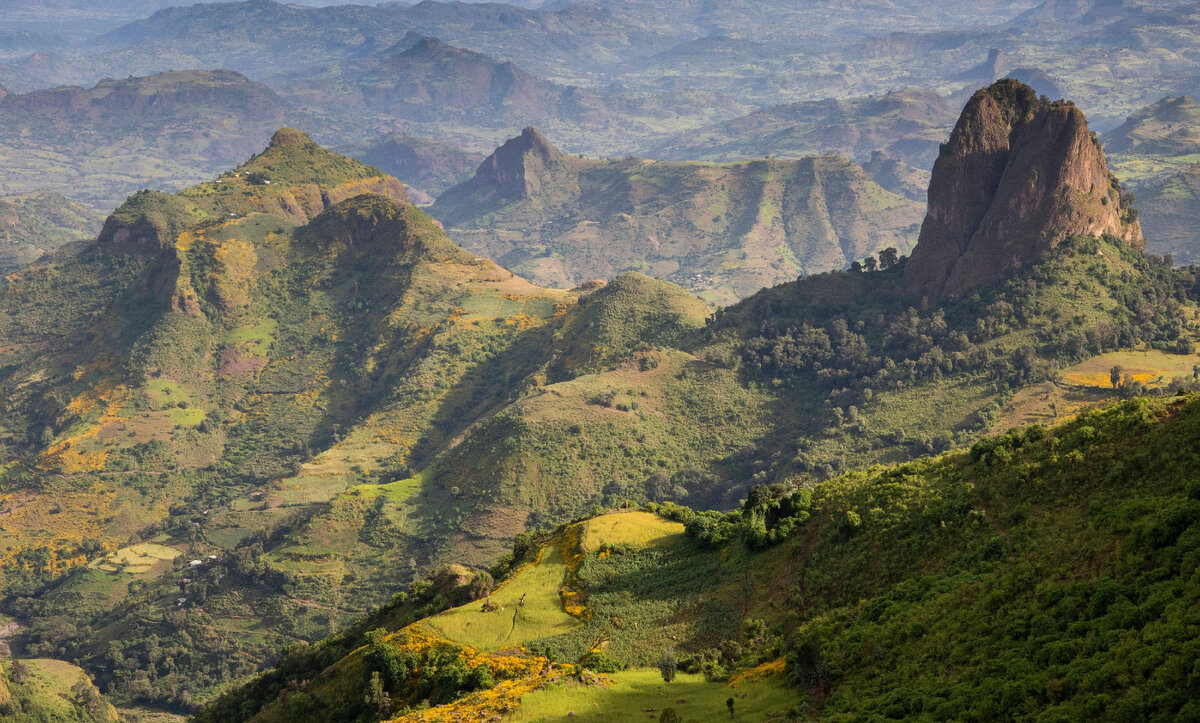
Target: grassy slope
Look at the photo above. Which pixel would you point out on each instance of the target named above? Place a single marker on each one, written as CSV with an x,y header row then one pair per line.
x,y
559,613
331,406
53,690
1042,575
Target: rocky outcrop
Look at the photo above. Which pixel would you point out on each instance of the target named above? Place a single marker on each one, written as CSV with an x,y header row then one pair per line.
x,y
148,219
515,170
1018,176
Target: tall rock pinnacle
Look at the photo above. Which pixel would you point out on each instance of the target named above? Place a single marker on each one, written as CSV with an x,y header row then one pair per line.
x,y
1018,176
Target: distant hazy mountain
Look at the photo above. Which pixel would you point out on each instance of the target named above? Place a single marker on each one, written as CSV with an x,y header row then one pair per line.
x,y
724,231
453,94
1169,209
1157,151
428,166
263,38
907,124
168,129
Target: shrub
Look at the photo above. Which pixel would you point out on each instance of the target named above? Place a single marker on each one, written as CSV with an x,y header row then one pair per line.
x,y
668,665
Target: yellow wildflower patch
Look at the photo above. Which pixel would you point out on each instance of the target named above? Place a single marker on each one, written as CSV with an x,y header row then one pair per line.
x,y
67,455
522,674
764,670
1103,380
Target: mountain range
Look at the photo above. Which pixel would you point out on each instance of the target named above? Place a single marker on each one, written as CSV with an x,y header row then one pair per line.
x,y
252,411
722,230
101,143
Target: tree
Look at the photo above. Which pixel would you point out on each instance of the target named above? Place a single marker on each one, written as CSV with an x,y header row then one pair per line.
x,y
889,257
870,263
377,699
668,665
1114,375
855,266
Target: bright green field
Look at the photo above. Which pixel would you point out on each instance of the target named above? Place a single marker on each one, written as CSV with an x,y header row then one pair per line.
x,y
542,615
636,691
638,529
397,491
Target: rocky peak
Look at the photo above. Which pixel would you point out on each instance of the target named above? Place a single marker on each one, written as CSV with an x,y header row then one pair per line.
x,y
427,46
514,168
1018,176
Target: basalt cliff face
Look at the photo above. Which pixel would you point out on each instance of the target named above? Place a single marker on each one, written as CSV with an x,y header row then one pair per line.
x,y
1018,176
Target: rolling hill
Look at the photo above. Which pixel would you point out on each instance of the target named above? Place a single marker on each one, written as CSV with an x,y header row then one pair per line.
x,y
722,230
1156,141
966,583
35,223
1168,214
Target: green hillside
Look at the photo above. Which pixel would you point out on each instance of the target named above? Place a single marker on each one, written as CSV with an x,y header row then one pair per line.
x,y
722,230
254,410
1044,574
50,690
35,223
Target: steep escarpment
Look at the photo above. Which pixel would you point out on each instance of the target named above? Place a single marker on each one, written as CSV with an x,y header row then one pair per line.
x,y
1018,176
724,231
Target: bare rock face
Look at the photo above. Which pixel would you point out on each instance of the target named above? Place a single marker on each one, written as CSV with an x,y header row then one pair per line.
x,y
1018,176
515,166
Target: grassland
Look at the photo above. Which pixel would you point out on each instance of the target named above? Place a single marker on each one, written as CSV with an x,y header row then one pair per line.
x,y
1083,385
635,528
642,694
54,690
137,559
528,606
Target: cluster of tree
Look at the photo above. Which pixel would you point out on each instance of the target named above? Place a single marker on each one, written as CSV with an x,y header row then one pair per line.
x,y
888,258
769,515
916,559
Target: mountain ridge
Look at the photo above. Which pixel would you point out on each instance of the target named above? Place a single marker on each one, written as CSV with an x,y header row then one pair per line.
x,y
735,228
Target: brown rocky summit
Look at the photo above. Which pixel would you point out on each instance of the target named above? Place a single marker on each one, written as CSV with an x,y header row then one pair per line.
x,y
1018,176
